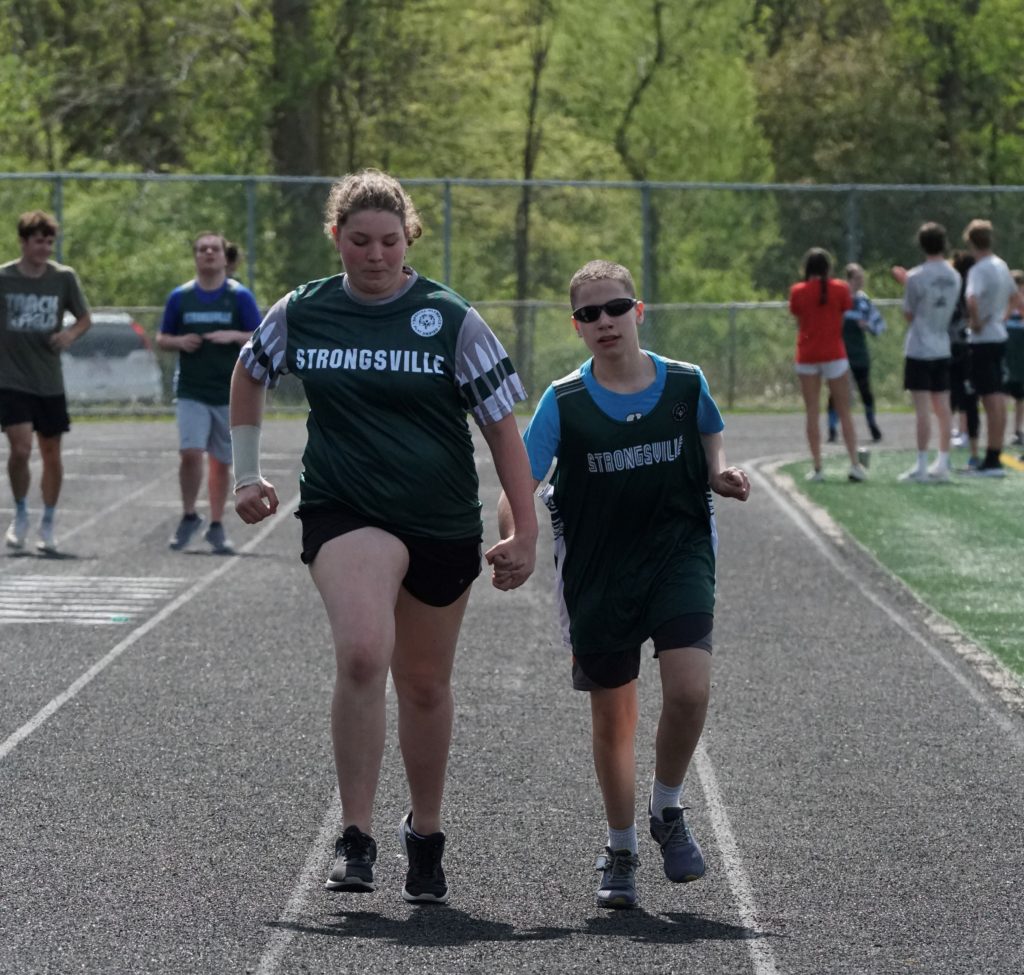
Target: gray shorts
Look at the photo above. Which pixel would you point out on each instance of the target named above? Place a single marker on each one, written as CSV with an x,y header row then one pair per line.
x,y
204,427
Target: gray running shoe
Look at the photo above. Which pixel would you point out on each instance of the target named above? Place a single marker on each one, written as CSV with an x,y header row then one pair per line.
x,y
18,531
425,882
187,527
355,853
218,540
681,853
618,879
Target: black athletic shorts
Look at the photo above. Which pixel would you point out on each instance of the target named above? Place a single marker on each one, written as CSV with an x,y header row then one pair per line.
x,y
47,414
440,570
596,670
987,367
926,375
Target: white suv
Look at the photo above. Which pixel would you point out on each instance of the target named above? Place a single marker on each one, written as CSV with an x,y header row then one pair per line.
x,y
114,362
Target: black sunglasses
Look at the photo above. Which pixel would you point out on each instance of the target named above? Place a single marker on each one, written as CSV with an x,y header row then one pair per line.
x,y
614,308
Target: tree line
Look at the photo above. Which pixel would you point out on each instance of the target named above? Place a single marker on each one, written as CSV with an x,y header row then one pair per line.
x,y
746,91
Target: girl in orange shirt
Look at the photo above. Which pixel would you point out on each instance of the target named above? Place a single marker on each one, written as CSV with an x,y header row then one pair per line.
x,y
818,303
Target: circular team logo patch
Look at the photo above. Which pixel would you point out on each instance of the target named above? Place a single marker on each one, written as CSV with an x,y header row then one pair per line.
x,y
679,411
426,322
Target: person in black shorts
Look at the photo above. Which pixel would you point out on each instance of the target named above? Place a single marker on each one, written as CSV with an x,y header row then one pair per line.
x,y
391,363
35,295
639,449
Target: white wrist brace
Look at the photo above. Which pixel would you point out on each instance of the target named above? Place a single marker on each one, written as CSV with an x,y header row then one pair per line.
x,y
245,455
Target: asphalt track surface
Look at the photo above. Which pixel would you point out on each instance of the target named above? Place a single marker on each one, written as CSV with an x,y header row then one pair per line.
x,y
167,794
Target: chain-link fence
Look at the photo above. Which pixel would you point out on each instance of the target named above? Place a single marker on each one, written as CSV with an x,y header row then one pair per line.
x,y
713,262
745,349
129,235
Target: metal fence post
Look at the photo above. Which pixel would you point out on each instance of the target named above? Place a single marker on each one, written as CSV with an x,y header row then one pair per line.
x,y
645,237
58,212
250,233
448,232
730,397
852,227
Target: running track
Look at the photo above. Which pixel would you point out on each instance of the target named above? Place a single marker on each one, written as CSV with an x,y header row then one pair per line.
x,y
167,796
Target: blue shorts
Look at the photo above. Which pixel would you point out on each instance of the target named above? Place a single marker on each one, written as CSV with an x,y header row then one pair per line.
x,y
204,427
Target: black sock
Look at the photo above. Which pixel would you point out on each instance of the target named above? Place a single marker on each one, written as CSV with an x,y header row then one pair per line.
x,y
192,517
992,458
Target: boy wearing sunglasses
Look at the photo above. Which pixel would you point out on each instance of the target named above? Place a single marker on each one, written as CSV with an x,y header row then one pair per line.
x,y
636,440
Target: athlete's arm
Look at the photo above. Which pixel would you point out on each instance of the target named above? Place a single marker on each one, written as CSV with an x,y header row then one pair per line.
x,y
513,558
729,482
255,497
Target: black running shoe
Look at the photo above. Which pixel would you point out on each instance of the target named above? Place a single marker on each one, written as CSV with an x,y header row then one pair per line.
x,y
355,853
425,882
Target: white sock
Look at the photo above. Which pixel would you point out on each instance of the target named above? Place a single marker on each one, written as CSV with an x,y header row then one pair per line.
x,y
922,460
665,797
942,460
623,839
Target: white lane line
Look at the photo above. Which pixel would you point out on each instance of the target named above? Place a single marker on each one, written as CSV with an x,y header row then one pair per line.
x,y
137,634
314,867
761,956
1003,721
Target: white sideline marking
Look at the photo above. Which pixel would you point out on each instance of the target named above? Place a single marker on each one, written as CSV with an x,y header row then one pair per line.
x,y
1004,722
761,956
97,668
315,865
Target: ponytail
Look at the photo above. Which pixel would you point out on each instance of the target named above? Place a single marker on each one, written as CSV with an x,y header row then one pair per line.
x,y
818,264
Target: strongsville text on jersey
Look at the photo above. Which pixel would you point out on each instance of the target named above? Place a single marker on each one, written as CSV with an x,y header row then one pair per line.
x,y
382,360
642,455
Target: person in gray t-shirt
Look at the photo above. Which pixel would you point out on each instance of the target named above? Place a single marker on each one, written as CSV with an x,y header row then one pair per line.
x,y
991,292
932,292
36,293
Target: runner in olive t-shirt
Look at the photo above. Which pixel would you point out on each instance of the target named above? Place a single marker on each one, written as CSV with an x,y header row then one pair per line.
x,y
35,295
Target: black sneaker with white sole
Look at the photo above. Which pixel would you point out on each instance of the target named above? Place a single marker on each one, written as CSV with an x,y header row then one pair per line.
x,y
355,853
425,882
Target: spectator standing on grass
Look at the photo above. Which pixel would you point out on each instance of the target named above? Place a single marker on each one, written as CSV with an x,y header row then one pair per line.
x,y
963,398
35,295
205,321
990,289
638,442
932,290
818,303
391,364
861,320
1015,360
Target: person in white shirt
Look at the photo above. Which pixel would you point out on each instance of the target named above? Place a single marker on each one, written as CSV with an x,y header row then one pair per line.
x,y
990,290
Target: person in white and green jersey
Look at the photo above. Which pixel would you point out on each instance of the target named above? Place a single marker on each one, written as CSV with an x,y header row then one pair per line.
x,y
637,444
391,363
205,321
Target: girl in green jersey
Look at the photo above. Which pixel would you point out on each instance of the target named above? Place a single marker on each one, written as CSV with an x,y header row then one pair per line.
x,y
391,364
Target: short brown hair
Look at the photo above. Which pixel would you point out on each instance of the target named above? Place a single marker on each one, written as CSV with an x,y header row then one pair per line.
x,y
601,271
370,189
979,234
37,220
932,238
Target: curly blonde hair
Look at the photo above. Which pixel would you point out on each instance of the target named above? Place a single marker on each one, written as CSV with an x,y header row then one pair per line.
x,y
370,189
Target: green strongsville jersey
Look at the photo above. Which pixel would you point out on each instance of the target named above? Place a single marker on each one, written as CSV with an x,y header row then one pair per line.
x,y
31,310
389,385
205,374
630,501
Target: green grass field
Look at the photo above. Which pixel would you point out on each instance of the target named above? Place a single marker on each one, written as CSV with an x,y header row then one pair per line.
x,y
958,546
